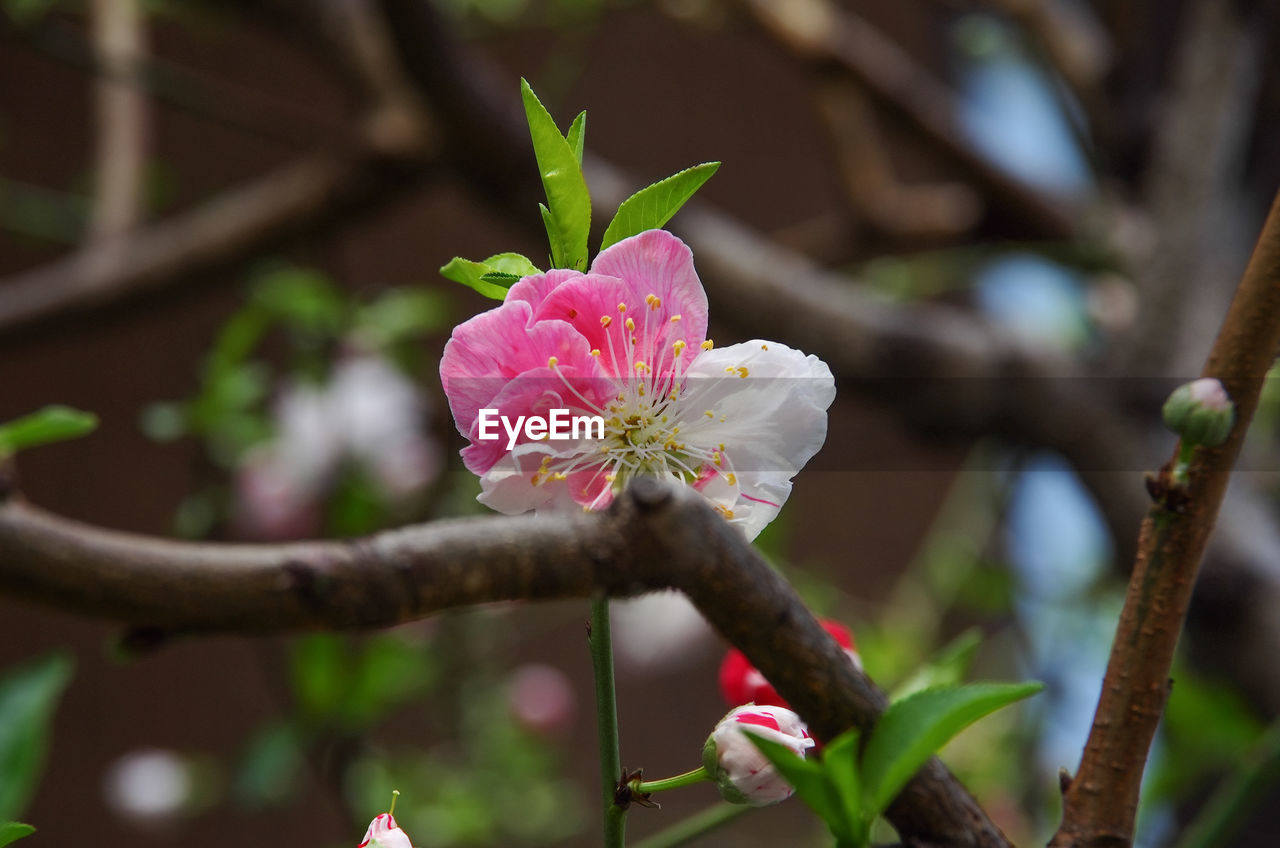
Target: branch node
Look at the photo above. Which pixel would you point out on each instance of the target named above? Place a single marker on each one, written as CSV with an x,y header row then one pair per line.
x,y
649,494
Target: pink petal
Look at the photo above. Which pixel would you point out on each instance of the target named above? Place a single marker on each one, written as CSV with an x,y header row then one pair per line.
x,y
490,349
535,392
534,289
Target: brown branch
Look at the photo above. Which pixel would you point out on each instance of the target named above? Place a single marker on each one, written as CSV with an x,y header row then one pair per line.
x,y
119,31
829,35
1101,802
238,223
654,537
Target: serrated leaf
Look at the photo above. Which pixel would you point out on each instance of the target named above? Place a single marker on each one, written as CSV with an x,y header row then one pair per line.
x,y
840,763
947,668
13,831
501,278
471,274
568,201
912,729
512,263
651,207
806,776
577,135
51,424
28,697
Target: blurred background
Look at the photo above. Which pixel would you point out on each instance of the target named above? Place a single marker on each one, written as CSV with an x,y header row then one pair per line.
x,y
220,229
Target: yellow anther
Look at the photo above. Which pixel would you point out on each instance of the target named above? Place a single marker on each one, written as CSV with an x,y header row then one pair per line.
x,y
708,344
675,319
717,458
622,307
641,368
679,347
559,475
641,390
552,362
724,510
610,477
764,347
631,325
595,351
742,371
709,414
605,321
653,300
732,478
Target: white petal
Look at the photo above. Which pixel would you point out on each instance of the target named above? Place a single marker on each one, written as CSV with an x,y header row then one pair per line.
x,y
768,407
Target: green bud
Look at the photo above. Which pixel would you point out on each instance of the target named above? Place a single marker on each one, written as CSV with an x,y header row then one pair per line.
x,y
1200,412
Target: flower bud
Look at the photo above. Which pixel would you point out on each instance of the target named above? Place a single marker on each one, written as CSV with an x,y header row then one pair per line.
x,y
742,683
742,773
383,832
1200,412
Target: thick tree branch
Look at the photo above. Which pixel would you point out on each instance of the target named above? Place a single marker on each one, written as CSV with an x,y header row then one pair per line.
x,y
654,537
1101,802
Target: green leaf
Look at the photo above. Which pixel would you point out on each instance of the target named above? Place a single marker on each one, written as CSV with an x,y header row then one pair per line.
x,y
912,729
650,208
840,762
50,424
947,668
512,263
28,696
577,135
493,276
13,831
568,202
808,778
471,274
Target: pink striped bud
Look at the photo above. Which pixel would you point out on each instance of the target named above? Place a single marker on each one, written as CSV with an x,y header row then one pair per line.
x,y
742,773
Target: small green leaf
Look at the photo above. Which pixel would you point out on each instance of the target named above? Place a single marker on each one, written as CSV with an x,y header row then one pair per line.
x,y
577,135
501,278
651,207
50,424
947,668
13,831
471,274
912,729
28,696
512,263
807,776
568,201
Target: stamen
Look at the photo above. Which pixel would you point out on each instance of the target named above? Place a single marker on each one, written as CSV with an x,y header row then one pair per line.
x,y
605,321
653,300
631,325
552,362
675,319
622,307
708,344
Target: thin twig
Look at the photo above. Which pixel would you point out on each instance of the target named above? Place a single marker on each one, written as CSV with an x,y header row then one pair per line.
x,y
1100,804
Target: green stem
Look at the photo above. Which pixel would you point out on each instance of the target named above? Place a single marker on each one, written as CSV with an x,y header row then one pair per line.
x,y
1238,793
686,830
689,778
607,722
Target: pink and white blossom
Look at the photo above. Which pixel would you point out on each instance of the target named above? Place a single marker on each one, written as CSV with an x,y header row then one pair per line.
x,y
742,773
383,832
627,341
